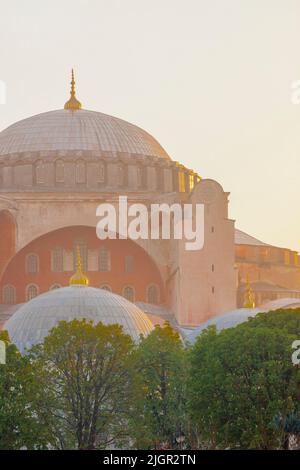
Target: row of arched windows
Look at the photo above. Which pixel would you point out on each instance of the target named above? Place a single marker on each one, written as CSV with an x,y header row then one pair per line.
x,y
81,173
57,260
103,262
32,291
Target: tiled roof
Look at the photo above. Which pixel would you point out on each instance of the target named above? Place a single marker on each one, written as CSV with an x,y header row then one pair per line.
x,y
242,238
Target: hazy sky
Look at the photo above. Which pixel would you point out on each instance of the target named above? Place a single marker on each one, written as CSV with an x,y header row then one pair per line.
x,y
210,79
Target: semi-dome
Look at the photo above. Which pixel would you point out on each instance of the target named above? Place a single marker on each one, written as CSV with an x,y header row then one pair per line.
x,y
80,130
33,320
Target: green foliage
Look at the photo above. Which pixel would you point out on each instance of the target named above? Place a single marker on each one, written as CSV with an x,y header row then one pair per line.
x,y
159,405
88,386
19,395
84,373
241,378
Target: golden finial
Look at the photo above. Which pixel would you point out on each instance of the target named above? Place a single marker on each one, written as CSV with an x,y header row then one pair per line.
x,y
249,299
73,103
79,278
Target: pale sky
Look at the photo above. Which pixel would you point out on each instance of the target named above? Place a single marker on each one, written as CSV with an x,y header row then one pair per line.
x,y
210,79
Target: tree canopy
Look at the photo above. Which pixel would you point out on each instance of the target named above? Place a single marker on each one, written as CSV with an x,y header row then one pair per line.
x,y
241,378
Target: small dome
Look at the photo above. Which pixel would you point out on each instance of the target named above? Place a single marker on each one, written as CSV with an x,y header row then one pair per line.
x,y
33,320
226,320
241,315
80,130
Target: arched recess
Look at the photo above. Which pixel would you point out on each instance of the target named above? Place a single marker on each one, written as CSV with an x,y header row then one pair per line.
x,y
7,237
144,272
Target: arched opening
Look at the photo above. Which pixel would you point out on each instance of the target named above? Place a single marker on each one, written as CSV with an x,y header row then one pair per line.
x,y
55,286
32,263
153,294
80,172
9,295
104,262
106,287
57,259
32,291
128,293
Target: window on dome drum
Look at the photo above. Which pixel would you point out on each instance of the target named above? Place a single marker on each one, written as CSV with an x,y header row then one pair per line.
x,y
57,259
160,178
80,172
31,292
152,294
106,287
191,182
286,257
101,173
59,172
82,245
139,176
128,293
142,177
181,182
128,264
120,175
55,286
9,295
104,260
32,263
40,172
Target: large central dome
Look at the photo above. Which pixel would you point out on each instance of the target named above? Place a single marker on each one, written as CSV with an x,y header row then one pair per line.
x,y
67,130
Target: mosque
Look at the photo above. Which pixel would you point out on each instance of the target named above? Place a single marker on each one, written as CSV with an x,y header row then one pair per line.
x,y
58,166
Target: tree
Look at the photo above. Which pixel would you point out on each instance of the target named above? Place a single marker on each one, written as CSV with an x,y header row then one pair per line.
x,y
84,373
241,378
19,394
158,414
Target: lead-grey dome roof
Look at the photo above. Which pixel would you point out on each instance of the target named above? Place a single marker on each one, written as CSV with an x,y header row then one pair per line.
x,y
65,130
32,322
226,320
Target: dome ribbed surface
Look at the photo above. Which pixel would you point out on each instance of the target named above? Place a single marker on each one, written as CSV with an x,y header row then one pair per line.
x,y
65,130
33,321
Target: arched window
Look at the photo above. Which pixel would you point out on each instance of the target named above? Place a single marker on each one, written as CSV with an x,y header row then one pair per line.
x,y
128,264
31,292
139,177
191,181
181,181
9,295
104,260
32,263
106,287
101,173
128,293
153,294
57,259
55,286
82,245
80,172
40,172
59,171
120,175
160,178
